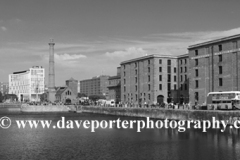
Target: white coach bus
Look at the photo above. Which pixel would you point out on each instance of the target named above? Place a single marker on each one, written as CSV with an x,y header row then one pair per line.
x,y
223,100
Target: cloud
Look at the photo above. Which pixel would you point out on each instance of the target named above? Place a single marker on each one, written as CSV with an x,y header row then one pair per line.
x,y
129,52
4,28
68,57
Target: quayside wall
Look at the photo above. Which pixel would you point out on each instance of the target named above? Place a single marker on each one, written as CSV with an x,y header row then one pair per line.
x,y
173,114
42,108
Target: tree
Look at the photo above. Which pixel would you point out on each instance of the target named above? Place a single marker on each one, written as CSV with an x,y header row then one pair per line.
x,y
81,95
1,97
43,97
96,97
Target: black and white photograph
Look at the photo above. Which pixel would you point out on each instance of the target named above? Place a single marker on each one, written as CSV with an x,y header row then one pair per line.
x,y
119,80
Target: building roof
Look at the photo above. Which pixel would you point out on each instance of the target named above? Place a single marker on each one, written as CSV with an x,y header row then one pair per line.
x,y
19,72
183,56
114,77
148,57
215,41
60,90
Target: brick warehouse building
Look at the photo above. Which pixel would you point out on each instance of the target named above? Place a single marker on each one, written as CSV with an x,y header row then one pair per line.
x,y
114,87
183,80
150,79
95,86
214,66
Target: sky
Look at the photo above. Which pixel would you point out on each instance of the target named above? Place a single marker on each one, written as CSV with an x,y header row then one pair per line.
x,y
92,37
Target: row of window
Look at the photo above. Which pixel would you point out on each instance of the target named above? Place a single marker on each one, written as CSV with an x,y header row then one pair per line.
x,y
136,97
220,71
220,82
149,62
219,49
219,59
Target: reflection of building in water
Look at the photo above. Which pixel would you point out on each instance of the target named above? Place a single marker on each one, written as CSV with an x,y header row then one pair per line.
x,y
28,84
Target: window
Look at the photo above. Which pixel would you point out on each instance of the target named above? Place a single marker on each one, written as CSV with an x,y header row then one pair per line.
x,y
196,72
135,65
175,78
181,61
169,62
124,89
181,87
160,61
196,62
148,61
169,69
136,88
175,87
220,82
185,77
136,80
220,58
148,78
196,84
181,69
149,87
220,47
160,77
136,97
169,86
124,66
169,78
196,52
185,69
135,71
220,69
160,87
160,69
124,81
124,73
149,96
185,86
185,61
148,69
181,78
175,70
196,96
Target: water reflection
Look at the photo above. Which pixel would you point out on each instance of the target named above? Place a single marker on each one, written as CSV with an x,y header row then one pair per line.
x,y
114,143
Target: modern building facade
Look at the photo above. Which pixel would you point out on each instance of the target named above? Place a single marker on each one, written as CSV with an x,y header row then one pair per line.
x,y
95,86
214,66
114,87
149,80
28,84
4,87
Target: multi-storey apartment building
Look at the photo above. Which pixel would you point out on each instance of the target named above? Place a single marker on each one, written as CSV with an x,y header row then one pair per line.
x,y
183,78
214,66
149,80
4,87
28,84
95,86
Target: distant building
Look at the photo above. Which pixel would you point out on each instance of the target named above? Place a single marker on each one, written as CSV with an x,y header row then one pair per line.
x,y
150,79
95,86
65,95
4,87
114,86
73,85
28,84
214,67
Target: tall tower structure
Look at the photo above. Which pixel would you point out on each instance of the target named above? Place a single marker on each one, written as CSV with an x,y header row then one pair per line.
x,y
51,77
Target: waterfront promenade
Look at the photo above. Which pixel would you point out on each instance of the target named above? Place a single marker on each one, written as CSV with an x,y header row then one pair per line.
x,y
162,113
